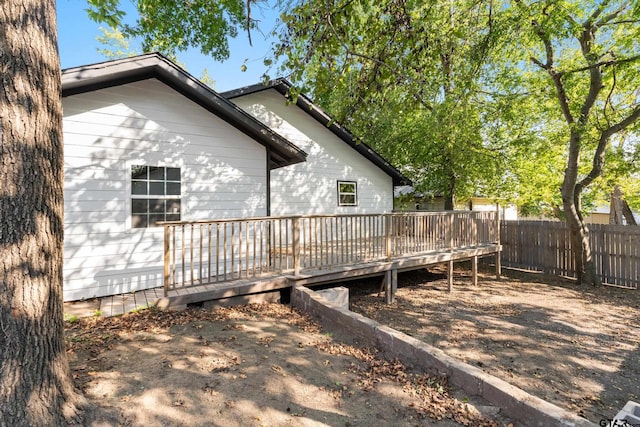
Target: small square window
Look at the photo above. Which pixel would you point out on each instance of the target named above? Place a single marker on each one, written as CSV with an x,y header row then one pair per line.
x,y
155,195
347,193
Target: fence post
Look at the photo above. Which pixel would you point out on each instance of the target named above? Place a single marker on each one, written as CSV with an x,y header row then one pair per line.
x,y
167,259
296,245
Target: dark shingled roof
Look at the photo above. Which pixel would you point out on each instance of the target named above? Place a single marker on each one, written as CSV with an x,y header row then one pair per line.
x,y
102,75
283,87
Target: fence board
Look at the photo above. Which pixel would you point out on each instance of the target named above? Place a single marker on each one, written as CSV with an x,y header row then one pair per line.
x,y
546,246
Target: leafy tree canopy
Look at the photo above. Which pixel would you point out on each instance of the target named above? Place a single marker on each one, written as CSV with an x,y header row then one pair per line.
x,y
410,77
173,26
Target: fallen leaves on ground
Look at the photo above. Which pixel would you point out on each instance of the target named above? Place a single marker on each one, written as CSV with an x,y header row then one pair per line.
x,y
94,336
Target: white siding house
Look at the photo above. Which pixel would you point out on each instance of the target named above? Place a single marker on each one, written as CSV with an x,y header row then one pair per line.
x,y
339,176
142,143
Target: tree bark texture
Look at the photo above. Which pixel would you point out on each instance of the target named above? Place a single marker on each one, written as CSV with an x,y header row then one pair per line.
x,y
581,246
628,213
620,212
615,209
35,382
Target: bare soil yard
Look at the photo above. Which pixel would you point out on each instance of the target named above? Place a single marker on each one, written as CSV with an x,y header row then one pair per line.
x,y
576,347
258,365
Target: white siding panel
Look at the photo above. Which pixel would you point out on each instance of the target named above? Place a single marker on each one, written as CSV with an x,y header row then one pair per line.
x,y
311,187
106,132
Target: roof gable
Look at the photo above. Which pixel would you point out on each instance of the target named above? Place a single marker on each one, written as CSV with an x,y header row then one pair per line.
x,y
283,87
102,75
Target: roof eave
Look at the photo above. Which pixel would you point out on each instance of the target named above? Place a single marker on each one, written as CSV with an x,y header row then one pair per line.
x,y
283,87
114,73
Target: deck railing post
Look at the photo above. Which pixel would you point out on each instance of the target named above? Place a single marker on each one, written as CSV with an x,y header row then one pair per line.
x,y
387,231
167,258
452,222
295,224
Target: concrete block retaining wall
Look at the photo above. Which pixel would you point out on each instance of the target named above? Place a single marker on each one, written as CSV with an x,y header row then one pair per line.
x,y
514,402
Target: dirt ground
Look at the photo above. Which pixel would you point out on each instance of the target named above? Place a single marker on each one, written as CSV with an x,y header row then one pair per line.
x,y
258,365
576,347
268,365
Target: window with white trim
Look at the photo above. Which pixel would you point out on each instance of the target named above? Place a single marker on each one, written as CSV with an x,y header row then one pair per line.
x,y
347,193
155,195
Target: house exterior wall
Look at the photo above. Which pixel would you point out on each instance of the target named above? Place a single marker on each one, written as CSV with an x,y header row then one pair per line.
x,y
223,175
311,187
597,218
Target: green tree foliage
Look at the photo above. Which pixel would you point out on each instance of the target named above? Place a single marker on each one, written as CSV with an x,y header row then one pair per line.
x,y
173,26
406,76
520,98
584,60
116,45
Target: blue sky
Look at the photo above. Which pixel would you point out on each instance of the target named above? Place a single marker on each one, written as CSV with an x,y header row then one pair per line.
x,y
78,46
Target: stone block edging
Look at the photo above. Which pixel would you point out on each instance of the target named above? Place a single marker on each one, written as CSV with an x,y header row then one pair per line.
x,y
514,402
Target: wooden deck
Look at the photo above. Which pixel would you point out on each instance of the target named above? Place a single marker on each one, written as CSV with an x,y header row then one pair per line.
x,y
124,303
217,259
214,260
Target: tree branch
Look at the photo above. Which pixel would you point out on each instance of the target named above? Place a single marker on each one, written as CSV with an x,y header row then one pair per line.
x,y
595,78
374,60
610,17
608,63
596,13
623,21
561,93
249,21
609,96
598,157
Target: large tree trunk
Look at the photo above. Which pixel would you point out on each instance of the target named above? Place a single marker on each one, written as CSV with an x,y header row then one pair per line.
x,y
35,383
450,195
571,197
581,249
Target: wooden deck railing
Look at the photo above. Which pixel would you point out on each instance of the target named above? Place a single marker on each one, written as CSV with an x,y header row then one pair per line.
x,y
203,252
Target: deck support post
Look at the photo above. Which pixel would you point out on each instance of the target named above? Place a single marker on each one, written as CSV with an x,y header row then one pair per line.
x,y
474,270
387,287
450,275
390,285
394,283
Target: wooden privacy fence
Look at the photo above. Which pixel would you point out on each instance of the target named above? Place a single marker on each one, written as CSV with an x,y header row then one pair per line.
x,y
203,252
546,246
